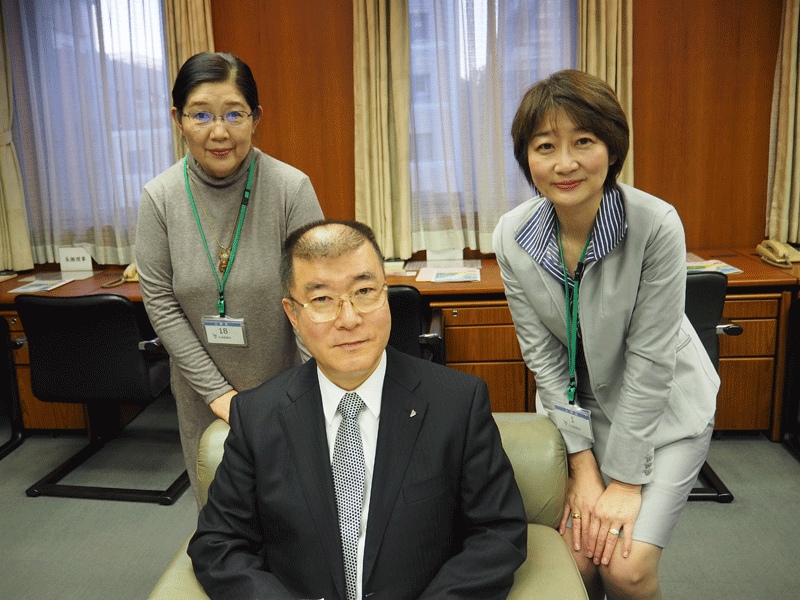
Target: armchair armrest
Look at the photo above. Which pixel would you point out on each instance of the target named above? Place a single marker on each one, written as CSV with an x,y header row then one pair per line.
x,y
434,335
728,327
432,342
154,345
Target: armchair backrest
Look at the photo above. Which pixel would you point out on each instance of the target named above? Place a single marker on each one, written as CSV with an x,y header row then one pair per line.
x,y
532,442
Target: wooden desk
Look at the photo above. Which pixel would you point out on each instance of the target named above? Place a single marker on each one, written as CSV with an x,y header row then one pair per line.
x,y
752,365
480,339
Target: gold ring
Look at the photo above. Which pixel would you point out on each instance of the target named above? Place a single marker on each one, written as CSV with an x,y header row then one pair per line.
x,y
613,531
576,515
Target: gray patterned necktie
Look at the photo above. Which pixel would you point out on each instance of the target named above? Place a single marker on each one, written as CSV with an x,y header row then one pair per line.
x,y
348,482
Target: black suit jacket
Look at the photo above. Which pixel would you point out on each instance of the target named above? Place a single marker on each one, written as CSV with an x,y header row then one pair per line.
x,y
446,518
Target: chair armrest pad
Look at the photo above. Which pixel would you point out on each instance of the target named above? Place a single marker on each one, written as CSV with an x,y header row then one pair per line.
x,y
728,327
154,345
549,572
434,335
539,457
209,455
178,581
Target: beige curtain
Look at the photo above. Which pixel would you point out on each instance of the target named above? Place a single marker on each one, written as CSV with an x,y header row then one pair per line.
x,y
381,48
606,49
15,245
783,189
188,32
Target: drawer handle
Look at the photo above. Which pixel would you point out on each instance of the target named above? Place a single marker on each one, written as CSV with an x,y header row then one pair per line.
x,y
455,313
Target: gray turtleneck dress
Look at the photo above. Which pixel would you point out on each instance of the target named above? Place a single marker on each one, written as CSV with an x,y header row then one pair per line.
x,y
179,288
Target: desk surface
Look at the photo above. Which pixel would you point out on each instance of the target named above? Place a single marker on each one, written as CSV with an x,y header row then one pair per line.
x,y
756,273
79,287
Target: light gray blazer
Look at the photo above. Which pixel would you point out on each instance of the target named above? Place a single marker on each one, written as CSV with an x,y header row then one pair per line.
x,y
649,371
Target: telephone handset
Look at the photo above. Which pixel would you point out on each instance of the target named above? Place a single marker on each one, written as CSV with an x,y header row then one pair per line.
x,y
128,275
778,254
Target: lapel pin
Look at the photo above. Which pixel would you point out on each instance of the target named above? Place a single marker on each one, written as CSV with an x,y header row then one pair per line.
x,y
413,412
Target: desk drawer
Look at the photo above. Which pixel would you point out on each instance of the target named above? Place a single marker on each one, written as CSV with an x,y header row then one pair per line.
x,y
14,323
481,343
745,397
455,316
507,382
751,309
757,339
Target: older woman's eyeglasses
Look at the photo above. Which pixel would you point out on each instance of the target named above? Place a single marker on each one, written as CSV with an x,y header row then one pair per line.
x,y
202,118
322,309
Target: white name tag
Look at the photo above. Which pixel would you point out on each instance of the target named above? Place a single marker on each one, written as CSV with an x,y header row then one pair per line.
x,y
573,418
225,330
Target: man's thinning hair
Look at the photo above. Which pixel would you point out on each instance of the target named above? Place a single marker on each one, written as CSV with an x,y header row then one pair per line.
x,y
342,237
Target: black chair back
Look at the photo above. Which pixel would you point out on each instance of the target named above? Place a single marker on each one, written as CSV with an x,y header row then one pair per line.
x,y
85,349
705,300
408,317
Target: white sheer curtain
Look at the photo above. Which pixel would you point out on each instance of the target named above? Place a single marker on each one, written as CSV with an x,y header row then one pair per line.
x,y
93,101
471,61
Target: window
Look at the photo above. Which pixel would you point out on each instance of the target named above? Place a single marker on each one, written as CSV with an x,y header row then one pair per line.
x,y
92,101
471,61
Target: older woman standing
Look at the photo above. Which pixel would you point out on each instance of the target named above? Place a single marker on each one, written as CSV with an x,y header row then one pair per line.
x,y
208,247
595,278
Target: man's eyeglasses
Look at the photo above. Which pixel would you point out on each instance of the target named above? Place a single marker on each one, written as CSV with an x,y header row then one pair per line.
x,y
322,309
234,118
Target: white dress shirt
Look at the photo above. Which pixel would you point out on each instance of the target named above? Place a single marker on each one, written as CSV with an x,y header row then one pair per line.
x,y
370,392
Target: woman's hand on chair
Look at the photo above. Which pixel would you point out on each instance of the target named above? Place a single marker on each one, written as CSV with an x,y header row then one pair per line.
x,y
222,406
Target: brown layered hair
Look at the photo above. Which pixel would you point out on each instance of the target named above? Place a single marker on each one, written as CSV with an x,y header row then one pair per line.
x,y
588,101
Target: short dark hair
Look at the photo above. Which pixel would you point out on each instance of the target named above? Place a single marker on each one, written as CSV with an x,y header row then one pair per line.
x,y
588,101
214,67
351,235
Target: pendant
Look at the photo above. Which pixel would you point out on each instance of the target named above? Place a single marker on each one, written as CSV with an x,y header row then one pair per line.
x,y
224,256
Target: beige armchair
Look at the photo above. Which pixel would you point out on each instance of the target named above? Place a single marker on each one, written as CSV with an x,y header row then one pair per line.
x,y
539,458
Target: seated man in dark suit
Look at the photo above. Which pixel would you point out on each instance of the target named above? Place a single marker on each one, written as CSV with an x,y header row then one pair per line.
x,y
364,473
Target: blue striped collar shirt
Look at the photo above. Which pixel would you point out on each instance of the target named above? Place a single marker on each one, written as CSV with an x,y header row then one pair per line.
x,y
539,239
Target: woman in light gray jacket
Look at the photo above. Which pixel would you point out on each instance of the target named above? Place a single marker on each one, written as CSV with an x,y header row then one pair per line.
x,y
595,277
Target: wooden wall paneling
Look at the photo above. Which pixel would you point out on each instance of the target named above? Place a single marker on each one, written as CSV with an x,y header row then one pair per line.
x,y
301,55
702,92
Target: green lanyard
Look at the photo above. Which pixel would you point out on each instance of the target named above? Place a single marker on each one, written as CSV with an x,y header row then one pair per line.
x,y
243,208
572,313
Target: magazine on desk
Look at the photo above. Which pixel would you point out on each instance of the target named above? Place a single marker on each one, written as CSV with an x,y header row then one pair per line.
x,y
39,286
448,275
695,263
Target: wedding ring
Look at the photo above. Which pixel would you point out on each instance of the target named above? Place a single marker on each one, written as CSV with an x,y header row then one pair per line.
x,y
576,515
613,531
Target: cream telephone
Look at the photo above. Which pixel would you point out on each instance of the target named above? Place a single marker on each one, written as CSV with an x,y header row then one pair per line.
x,y
778,254
129,274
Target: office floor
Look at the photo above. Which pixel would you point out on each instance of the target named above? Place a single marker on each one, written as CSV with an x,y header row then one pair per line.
x,y
85,550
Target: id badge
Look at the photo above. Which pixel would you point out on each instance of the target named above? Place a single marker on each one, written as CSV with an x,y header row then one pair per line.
x,y
573,418
225,331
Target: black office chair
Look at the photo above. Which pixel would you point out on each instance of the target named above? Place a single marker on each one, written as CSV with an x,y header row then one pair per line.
x,y
705,300
88,350
416,330
790,420
8,382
